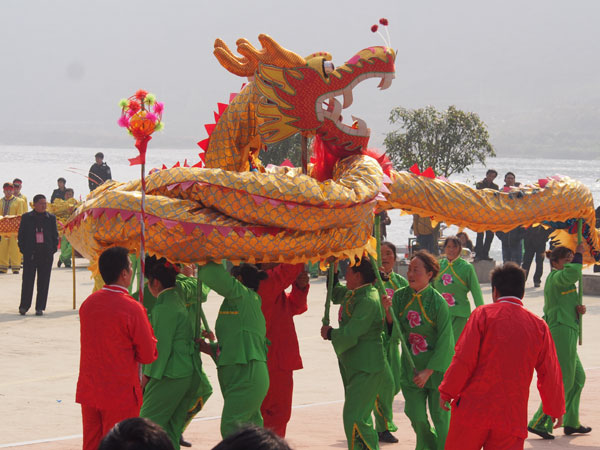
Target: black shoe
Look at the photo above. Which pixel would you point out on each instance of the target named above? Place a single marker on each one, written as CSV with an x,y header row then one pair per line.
x,y
15,272
39,312
22,311
542,434
580,430
59,263
386,436
183,442
537,284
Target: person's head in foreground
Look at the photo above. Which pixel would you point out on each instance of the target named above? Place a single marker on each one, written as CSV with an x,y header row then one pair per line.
x,y
69,193
249,275
115,266
99,158
136,433
360,274
252,437
508,280
422,270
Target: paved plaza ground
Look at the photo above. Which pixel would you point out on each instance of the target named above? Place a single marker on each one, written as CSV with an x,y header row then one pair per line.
x,y
40,357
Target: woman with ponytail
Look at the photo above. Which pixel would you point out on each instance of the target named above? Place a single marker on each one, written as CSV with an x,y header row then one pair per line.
x,y
171,382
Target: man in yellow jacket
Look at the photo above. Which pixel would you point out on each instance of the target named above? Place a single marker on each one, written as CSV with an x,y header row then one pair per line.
x,y
10,256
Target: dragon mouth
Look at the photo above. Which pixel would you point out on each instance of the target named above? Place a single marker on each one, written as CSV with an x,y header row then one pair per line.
x,y
329,107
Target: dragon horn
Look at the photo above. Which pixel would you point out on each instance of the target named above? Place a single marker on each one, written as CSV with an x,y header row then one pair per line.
x,y
238,66
282,56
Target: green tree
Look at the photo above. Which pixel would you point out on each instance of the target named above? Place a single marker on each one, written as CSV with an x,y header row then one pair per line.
x,y
289,148
447,141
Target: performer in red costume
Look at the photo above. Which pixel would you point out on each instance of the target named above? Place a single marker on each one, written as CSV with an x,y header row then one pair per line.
x,y
489,377
283,356
115,336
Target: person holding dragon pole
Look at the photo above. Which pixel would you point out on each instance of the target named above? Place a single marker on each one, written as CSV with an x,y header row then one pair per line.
x,y
424,321
359,348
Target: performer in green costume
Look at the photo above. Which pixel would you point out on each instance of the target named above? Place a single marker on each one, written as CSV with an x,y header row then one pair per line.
x,y
425,325
241,348
561,312
359,347
171,382
390,386
456,278
187,288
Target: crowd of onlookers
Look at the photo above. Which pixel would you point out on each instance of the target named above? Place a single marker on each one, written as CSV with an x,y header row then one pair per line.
x,y
37,241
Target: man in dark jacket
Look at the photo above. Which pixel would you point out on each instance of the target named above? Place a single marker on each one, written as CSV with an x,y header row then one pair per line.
x,y
38,240
99,172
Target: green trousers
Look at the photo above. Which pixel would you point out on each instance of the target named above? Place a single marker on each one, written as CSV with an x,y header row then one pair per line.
x,y
458,325
360,392
383,410
416,401
167,401
244,387
202,395
565,340
66,252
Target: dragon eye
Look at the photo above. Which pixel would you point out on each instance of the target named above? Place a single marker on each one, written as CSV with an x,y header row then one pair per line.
x,y
328,67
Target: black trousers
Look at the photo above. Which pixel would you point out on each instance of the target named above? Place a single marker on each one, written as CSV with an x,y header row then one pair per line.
x,y
42,264
482,248
538,250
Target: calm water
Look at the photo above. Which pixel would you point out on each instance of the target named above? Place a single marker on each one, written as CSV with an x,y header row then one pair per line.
x,y
39,167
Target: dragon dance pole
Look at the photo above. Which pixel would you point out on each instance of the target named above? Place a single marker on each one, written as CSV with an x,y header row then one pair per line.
x,y
579,241
142,237
377,230
382,292
304,146
200,316
330,275
74,284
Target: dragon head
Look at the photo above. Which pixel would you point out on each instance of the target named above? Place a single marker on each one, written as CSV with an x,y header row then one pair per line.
x,y
299,94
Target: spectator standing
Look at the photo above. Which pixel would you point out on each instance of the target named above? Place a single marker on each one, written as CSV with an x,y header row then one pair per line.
x,y
38,240
9,249
60,192
17,184
384,221
66,250
115,336
99,172
427,235
489,377
482,245
534,242
512,242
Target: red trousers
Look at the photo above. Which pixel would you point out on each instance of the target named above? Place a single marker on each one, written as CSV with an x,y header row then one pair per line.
x,y
97,422
276,408
462,436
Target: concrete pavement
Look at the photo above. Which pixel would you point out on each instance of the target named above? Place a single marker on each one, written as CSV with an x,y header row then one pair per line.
x,y
40,357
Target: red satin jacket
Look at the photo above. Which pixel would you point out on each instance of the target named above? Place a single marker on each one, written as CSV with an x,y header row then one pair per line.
x,y
493,364
115,336
279,308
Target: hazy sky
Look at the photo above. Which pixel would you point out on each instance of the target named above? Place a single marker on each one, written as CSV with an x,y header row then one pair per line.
x,y
528,68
